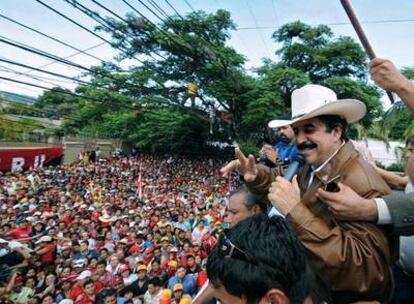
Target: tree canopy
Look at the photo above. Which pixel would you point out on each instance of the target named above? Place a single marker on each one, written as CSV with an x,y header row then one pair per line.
x,y
150,105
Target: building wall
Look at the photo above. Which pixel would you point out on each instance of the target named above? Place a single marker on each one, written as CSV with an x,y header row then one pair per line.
x,y
382,153
72,146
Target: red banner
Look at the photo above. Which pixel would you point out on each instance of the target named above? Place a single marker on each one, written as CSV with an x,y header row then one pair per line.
x,y
16,158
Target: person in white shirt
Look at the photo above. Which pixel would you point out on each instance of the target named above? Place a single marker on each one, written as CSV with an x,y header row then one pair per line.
x,y
199,231
152,296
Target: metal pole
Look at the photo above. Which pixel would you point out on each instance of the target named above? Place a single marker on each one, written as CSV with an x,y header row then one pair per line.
x,y
361,35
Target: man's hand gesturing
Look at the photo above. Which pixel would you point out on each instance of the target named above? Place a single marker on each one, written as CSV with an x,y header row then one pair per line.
x,y
245,166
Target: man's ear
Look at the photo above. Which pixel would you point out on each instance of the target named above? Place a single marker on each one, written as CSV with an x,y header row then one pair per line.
x,y
275,296
256,209
337,131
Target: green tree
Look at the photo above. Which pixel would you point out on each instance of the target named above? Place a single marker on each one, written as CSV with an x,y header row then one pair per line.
x,y
313,55
169,129
149,104
398,120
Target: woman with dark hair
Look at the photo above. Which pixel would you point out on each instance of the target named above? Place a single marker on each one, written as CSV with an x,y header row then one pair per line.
x,y
38,229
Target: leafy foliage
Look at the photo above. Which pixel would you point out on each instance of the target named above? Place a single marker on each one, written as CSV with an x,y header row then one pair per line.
x,y
149,105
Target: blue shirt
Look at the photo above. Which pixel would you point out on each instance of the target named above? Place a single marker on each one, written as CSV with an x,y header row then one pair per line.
x,y
286,152
188,282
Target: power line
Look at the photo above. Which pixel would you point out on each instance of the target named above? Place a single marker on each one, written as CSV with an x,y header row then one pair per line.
x,y
44,71
331,24
174,9
51,73
96,17
50,37
83,27
202,36
22,87
54,61
73,21
48,89
73,55
189,5
159,8
255,21
122,19
91,14
164,32
41,53
38,78
275,12
148,8
239,37
60,91
109,11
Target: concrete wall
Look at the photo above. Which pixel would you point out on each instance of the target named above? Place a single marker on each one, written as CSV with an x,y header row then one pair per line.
x,y
72,146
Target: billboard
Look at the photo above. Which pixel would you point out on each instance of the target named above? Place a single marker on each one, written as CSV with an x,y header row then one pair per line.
x,y
23,158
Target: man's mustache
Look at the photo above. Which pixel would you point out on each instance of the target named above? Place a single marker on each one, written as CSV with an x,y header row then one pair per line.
x,y
306,145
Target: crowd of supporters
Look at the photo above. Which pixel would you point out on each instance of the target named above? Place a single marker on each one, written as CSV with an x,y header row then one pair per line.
x,y
117,230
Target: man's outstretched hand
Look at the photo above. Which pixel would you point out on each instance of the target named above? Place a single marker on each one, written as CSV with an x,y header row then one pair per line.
x,y
245,166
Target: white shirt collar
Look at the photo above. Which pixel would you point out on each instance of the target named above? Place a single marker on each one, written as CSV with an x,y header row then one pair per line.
x,y
314,171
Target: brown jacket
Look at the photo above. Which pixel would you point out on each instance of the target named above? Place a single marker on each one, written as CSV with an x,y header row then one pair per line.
x,y
352,258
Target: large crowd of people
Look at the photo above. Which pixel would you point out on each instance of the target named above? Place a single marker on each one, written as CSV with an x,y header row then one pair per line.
x,y
314,222
130,230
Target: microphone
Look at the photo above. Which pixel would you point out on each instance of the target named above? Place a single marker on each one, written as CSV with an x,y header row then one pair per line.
x,y
293,168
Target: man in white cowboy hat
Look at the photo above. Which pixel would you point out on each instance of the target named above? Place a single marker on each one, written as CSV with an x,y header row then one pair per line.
x,y
351,258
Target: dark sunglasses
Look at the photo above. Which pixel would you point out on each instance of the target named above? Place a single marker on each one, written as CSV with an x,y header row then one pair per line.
x,y
232,251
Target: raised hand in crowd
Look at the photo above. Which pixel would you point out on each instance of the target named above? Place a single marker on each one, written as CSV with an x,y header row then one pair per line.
x,y
245,166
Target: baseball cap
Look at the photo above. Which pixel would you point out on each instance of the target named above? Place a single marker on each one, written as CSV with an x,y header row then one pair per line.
x,y
45,238
134,248
123,268
178,287
84,275
141,267
173,249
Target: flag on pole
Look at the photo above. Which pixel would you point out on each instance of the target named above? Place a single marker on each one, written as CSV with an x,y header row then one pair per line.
x,y
139,185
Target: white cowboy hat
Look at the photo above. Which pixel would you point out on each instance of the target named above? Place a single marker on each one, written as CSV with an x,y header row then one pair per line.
x,y
277,123
315,100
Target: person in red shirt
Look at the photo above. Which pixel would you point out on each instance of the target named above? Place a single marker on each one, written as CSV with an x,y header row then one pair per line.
x,y
46,250
77,290
87,296
21,232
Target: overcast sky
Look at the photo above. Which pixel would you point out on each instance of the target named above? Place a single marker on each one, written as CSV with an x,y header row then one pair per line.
x,y
389,26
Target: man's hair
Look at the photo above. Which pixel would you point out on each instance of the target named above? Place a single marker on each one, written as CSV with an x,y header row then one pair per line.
x,y
410,141
101,263
155,281
333,121
87,282
276,259
100,298
250,200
